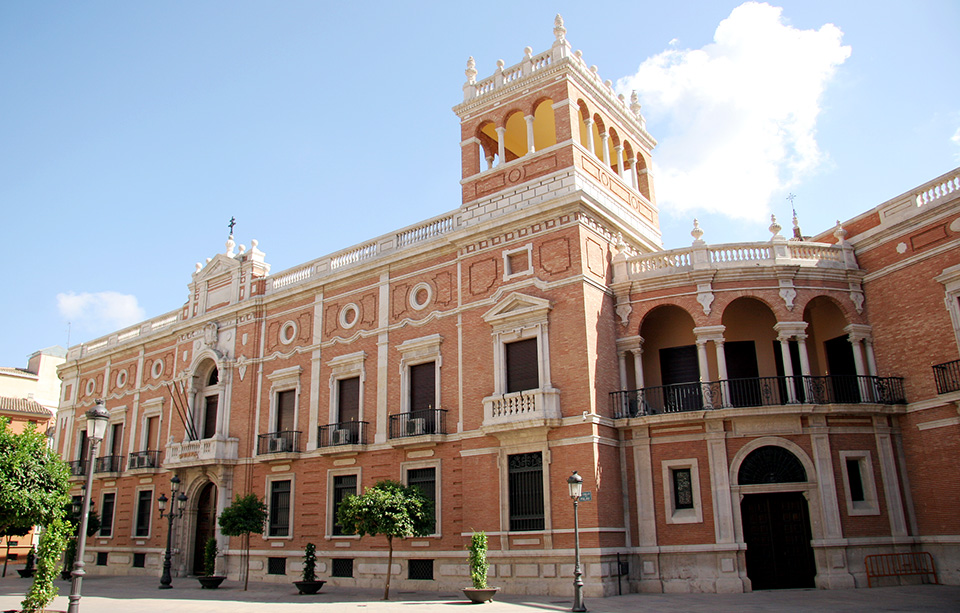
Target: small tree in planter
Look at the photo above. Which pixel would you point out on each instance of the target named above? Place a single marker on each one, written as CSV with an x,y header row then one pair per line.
x,y
244,517
390,509
308,583
210,579
479,566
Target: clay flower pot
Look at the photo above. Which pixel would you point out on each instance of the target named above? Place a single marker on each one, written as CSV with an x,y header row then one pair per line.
x,y
480,595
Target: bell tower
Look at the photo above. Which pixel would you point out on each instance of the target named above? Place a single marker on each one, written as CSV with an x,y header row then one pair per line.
x,y
552,117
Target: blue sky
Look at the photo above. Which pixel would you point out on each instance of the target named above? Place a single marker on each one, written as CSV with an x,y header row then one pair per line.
x,y
130,132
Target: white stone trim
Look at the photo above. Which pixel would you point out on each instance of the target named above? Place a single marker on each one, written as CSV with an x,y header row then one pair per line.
x,y
508,272
337,472
346,321
671,513
433,463
414,303
950,278
345,367
419,351
267,485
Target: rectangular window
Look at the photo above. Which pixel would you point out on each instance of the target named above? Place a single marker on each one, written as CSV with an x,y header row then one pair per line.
x,y
420,570
348,399
116,439
523,367
426,480
341,567
144,510
106,514
102,558
286,409
682,489
526,491
343,486
139,560
423,390
279,508
210,416
855,480
82,447
153,430
276,566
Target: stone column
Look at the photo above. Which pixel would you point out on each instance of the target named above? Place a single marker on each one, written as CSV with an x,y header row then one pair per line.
x,y
501,148
622,358
619,150
632,174
589,124
787,368
871,358
833,573
722,371
888,474
530,144
604,137
704,373
638,366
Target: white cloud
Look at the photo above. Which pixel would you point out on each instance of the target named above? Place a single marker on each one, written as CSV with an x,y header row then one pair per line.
x,y
101,312
737,117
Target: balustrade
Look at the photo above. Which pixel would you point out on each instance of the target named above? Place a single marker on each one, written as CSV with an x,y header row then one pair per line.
x,y
947,376
532,407
342,433
418,423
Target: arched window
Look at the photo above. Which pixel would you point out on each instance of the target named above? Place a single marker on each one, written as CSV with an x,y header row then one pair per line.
x,y
771,464
207,400
515,137
544,126
489,143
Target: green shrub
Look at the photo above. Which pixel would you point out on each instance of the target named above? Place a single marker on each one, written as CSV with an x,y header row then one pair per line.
x,y
309,572
210,557
478,560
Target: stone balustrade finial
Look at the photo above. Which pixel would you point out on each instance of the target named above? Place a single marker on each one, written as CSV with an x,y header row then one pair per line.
x,y
558,30
471,70
635,103
840,233
696,233
774,226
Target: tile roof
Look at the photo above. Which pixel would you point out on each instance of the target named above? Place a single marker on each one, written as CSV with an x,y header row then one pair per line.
x,y
17,372
23,406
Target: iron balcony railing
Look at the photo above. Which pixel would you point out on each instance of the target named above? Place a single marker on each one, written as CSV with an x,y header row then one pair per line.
x,y
758,391
417,423
109,464
287,441
947,376
78,468
342,433
144,459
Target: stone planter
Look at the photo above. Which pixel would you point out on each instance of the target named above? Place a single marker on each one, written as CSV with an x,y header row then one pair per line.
x,y
25,573
479,596
308,587
211,583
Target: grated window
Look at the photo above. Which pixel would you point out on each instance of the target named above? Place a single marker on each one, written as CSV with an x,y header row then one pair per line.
x,y
342,567
139,560
276,566
420,570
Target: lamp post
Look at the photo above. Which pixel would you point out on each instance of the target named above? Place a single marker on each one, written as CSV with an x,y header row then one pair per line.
x,y
97,418
181,501
575,483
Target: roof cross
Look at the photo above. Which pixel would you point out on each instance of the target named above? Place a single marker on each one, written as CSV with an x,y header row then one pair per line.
x,y
233,222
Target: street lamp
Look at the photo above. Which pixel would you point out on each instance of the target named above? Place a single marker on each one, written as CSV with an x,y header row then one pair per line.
x,y
181,501
575,483
97,419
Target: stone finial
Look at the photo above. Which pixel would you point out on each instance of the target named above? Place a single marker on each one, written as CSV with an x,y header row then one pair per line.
x,y
774,226
242,249
696,233
578,54
558,30
500,65
620,244
527,52
622,99
199,268
635,103
253,244
840,233
230,245
797,234
471,70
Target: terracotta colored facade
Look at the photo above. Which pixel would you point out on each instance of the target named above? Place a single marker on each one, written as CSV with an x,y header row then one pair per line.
x,y
706,394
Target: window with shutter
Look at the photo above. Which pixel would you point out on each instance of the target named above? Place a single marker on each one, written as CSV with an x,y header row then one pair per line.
x,y
348,398
286,408
522,365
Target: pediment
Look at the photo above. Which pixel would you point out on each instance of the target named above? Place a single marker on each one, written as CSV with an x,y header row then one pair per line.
x,y
219,265
518,307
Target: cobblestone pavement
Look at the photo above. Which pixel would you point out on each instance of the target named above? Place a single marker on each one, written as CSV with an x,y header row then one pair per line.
x,y
104,594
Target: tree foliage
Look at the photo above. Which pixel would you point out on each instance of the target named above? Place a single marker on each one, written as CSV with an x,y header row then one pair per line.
x,y
34,482
477,559
390,509
309,572
210,552
247,515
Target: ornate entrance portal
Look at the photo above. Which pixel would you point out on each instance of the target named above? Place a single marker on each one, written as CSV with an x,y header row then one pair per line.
x,y
205,525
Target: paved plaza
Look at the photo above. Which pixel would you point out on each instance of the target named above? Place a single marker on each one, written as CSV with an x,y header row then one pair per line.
x,y
140,595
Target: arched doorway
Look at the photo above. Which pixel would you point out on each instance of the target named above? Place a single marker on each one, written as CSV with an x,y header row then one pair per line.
x,y
776,525
206,524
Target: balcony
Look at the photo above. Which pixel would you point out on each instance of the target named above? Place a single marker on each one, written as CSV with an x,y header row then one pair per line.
x,y
947,376
531,408
78,468
279,442
758,391
342,434
418,423
206,451
149,459
109,464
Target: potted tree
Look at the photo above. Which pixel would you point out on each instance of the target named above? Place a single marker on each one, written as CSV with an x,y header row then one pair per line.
x,y
27,571
246,515
210,579
477,559
308,583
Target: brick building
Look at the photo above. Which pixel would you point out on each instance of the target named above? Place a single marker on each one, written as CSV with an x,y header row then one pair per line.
x,y
721,401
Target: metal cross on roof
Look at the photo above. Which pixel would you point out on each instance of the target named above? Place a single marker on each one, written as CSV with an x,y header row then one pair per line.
x,y
233,222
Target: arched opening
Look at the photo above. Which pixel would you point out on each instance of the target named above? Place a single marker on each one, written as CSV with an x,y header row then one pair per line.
x,y
643,177
776,524
750,347
515,137
598,129
489,143
613,141
831,354
206,524
629,163
207,399
671,369
583,116
544,125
